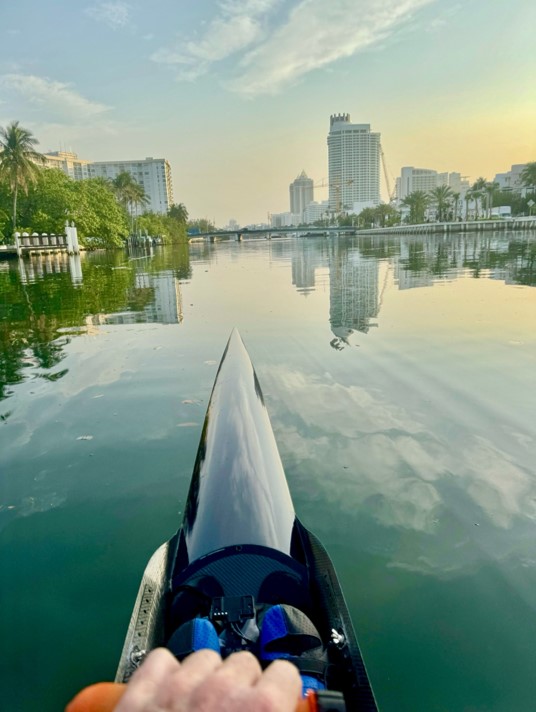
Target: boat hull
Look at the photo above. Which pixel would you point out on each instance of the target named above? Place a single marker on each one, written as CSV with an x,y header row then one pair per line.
x,y
241,538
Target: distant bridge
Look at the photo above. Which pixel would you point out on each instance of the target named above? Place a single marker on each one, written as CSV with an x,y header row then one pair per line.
x,y
269,232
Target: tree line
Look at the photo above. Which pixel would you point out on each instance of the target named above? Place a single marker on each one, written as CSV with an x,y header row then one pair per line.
x,y
479,202
38,199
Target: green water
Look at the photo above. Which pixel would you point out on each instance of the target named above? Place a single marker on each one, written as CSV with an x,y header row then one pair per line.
x,y
400,377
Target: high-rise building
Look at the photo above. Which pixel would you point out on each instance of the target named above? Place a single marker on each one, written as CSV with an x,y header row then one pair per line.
x,y
68,162
154,174
354,165
301,193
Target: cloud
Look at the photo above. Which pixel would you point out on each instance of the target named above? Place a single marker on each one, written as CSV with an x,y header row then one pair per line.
x,y
274,49
115,15
57,99
333,30
238,25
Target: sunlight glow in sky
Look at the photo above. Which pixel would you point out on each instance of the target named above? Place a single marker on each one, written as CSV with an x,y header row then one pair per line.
x,y
237,94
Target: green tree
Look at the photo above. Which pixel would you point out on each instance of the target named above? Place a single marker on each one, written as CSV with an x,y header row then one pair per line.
x,y
456,199
528,176
201,225
441,196
100,220
417,202
18,161
51,200
122,186
366,218
130,194
478,188
491,189
385,215
179,213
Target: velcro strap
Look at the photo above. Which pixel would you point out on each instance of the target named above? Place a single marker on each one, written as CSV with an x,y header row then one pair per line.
x,y
307,666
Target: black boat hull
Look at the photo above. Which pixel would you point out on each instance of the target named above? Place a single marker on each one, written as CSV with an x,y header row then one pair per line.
x,y
240,536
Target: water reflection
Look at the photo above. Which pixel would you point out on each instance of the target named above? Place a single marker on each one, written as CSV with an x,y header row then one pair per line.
x,y
44,295
45,299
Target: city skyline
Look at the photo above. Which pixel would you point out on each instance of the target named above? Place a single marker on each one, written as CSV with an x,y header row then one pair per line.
x,y
228,93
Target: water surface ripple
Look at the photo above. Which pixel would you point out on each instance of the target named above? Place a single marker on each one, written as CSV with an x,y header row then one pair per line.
x,y
399,374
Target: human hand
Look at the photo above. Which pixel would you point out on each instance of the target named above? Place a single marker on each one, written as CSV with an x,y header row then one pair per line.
x,y
205,683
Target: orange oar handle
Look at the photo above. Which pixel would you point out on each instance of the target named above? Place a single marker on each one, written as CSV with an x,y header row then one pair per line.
x,y
104,696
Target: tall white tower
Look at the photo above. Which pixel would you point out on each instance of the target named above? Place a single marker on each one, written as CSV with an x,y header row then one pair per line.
x,y
354,165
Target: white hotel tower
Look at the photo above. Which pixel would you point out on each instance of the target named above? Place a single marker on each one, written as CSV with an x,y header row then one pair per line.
x,y
354,165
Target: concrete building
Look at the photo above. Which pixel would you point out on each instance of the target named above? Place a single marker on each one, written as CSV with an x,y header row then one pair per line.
x,y
154,174
284,219
511,180
425,179
301,193
354,164
316,211
68,162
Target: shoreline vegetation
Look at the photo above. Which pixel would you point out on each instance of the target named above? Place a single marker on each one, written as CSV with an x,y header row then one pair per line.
x,y
36,199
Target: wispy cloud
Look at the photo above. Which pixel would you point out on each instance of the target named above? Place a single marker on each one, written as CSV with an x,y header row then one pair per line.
x,y
276,49
115,15
237,25
57,99
333,30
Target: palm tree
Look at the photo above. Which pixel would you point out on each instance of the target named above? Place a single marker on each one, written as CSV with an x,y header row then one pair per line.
x,y
18,161
491,188
137,196
179,212
528,176
468,198
122,186
479,186
417,203
129,193
456,198
441,196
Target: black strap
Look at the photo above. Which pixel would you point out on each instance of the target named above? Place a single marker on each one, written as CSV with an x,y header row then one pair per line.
x,y
307,666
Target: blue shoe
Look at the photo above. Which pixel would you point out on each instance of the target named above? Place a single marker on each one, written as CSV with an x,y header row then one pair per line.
x,y
288,634
196,634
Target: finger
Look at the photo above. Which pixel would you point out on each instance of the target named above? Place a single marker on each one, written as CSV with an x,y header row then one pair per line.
x,y
279,688
143,688
194,670
240,671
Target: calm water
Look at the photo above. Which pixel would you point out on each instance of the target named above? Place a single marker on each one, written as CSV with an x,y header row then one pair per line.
x,y
400,378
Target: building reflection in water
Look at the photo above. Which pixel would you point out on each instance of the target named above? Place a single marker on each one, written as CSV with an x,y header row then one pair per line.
x,y
164,303
355,285
353,293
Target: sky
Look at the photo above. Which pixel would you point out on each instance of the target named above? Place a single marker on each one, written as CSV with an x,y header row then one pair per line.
x,y
237,94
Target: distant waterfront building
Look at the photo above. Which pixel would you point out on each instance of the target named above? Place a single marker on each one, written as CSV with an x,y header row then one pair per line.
x,y
511,180
301,193
154,174
316,211
68,162
425,179
354,165
284,219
